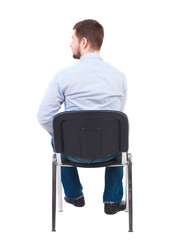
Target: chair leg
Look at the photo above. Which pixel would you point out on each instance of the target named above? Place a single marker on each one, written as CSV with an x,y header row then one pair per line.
x,y
59,185
54,193
126,188
59,189
130,205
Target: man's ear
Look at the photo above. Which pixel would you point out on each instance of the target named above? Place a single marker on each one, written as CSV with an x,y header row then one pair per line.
x,y
84,43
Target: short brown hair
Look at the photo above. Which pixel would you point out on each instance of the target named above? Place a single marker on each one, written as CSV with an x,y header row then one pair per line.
x,y
92,30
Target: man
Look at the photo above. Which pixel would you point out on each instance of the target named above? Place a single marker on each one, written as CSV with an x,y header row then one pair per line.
x,y
90,84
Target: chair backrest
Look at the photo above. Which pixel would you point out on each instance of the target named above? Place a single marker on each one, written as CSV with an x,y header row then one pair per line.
x,y
90,134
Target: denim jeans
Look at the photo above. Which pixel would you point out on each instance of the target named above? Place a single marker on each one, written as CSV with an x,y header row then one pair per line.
x,y
113,191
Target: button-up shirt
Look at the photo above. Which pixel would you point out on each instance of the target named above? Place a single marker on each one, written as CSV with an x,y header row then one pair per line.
x,y
90,84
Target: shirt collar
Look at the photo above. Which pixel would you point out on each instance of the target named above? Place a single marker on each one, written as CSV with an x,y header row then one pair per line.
x,y
90,55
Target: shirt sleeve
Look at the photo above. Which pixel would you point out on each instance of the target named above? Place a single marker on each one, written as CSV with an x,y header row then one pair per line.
x,y
124,100
125,93
50,105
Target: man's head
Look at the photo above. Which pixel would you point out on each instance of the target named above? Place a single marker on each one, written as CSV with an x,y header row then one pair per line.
x,y
87,37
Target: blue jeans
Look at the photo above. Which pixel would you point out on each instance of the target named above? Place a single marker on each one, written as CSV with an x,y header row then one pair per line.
x,y
113,191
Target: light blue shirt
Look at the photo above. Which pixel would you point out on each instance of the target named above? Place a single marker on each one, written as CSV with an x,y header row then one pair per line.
x,y
90,84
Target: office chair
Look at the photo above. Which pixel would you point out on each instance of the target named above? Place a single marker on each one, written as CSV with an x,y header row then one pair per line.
x,y
90,135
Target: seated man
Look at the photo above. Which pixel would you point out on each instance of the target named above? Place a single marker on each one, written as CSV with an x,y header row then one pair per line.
x,y
90,84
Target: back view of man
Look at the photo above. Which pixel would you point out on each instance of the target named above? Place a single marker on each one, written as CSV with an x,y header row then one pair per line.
x,y
90,84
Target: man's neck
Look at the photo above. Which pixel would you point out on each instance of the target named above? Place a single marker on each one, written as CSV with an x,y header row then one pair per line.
x,y
90,51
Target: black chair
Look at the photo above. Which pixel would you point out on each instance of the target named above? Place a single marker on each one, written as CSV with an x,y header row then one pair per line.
x,y
90,135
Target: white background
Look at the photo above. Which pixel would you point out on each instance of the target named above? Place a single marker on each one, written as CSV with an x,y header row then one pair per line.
x,y
34,45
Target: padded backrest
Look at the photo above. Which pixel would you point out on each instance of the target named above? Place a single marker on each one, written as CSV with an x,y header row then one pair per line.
x,y
90,134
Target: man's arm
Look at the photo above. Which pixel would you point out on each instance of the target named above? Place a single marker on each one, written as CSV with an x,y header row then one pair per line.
x,y
125,93
124,100
50,104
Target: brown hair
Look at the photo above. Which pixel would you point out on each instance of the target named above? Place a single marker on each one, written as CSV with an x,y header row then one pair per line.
x,y
92,30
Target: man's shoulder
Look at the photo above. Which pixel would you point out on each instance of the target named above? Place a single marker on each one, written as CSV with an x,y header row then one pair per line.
x,y
70,69
113,69
81,67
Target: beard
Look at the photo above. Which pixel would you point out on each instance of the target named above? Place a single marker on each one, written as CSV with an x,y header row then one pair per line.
x,y
77,55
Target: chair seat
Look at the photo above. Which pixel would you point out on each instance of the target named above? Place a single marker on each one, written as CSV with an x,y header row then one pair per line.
x,y
114,161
